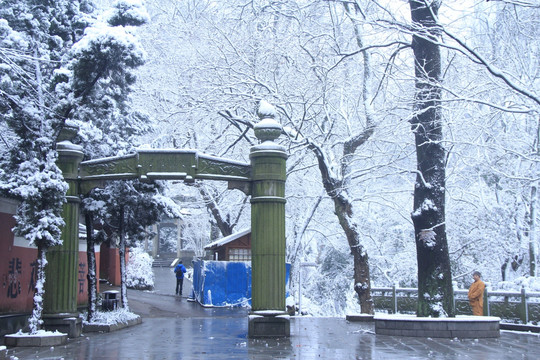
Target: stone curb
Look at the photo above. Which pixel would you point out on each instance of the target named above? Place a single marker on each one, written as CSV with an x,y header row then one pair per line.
x,y
520,327
359,317
111,327
459,327
35,340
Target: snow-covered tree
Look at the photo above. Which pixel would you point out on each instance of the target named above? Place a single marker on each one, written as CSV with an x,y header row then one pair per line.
x,y
221,58
61,63
279,62
92,208
129,206
98,84
139,273
101,78
435,292
35,40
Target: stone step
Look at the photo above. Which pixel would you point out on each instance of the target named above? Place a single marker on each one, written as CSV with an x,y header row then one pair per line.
x,y
162,262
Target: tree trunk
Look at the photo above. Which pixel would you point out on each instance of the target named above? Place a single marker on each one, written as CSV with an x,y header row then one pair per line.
x,y
91,259
435,292
35,321
343,210
533,246
224,224
122,254
362,281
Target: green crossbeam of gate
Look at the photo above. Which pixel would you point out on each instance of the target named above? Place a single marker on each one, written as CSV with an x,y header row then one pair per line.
x,y
149,164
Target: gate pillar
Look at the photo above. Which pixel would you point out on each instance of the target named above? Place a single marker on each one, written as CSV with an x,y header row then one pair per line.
x,y
60,298
268,316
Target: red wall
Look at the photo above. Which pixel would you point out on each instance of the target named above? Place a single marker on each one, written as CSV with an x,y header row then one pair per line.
x,y
110,264
82,286
17,270
18,267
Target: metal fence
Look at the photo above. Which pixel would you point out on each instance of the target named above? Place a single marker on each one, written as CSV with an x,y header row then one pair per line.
x,y
512,306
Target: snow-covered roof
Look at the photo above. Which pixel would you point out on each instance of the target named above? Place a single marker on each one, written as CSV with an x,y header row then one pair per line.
x,y
227,239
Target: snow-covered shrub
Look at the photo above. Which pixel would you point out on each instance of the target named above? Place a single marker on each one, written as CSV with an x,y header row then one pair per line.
x,y
119,315
139,274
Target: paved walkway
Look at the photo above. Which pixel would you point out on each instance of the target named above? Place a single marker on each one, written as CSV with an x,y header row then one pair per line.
x,y
173,328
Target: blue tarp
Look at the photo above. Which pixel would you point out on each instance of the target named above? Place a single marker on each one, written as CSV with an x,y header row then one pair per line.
x,y
224,283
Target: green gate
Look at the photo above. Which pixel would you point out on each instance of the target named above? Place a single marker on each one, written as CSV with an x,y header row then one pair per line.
x,y
264,179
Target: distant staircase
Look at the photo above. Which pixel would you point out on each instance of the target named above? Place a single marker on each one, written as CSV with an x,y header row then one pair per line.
x,y
163,261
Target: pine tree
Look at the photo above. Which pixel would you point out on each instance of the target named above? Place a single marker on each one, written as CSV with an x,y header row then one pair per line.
x,y
61,64
99,80
35,38
128,208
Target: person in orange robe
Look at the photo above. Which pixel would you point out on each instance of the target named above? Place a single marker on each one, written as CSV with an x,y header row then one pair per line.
x,y
476,295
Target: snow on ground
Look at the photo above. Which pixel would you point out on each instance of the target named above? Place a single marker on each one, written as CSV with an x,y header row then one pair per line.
x,y
39,333
117,316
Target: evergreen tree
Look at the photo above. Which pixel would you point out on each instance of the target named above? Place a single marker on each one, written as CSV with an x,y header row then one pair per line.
x,y
61,64
128,207
101,76
99,83
35,38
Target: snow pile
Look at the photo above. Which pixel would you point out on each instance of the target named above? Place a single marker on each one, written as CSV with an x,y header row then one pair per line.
x,y
139,274
266,110
39,333
117,316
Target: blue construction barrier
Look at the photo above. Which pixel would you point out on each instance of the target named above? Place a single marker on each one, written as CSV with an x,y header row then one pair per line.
x,y
224,283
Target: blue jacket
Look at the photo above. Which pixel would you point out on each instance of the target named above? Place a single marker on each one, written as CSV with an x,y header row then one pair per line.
x,y
180,269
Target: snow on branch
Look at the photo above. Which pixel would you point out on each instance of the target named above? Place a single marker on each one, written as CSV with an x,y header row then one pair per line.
x,y
235,121
127,13
169,207
366,48
518,110
493,70
421,32
353,142
524,3
472,54
330,180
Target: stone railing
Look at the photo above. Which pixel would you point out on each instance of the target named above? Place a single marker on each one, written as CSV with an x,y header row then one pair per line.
x,y
513,306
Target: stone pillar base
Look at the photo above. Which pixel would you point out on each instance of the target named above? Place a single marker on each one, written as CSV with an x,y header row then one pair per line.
x,y
69,324
269,326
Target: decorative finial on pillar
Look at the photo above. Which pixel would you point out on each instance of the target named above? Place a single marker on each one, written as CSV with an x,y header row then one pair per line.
x,y
268,129
68,132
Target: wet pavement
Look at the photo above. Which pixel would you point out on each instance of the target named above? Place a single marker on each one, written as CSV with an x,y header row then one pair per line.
x,y
174,328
